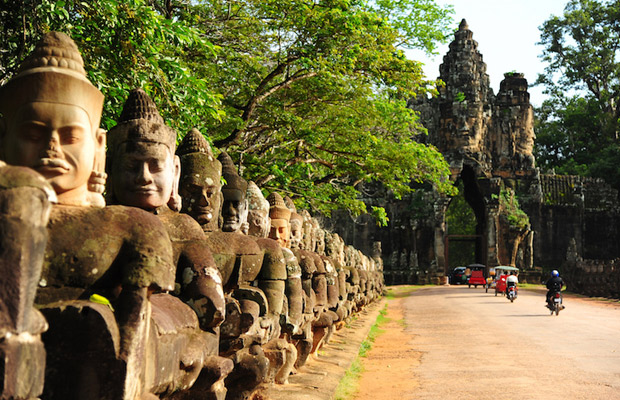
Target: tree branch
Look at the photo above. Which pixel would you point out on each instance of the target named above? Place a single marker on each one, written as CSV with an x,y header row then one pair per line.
x,y
255,100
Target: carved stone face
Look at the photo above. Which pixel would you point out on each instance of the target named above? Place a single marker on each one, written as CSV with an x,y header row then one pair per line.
x,y
280,231
297,232
234,210
144,174
259,222
201,200
320,240
57,141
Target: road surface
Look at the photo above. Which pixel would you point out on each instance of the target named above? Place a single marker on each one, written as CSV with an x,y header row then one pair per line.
x,y
474,345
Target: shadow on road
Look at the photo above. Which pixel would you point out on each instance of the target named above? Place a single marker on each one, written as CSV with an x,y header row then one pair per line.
x,y
529,315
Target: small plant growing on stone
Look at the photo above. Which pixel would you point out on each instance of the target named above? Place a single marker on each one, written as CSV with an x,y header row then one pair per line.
x,y
516,217
460,97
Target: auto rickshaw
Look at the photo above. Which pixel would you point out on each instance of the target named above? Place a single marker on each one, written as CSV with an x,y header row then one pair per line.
x,y
501,274
477,275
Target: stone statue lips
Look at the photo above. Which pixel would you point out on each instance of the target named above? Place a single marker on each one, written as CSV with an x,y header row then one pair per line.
x,y
232,219
51,166
202,214
145,190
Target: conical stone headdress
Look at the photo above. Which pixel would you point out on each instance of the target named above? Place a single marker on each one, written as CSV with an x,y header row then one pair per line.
x,y
291,206
53,73
197,160
256,200
229,172
140,122
277,208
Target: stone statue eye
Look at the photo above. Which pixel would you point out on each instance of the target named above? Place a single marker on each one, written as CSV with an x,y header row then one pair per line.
x,y
33,132
71,134
156,165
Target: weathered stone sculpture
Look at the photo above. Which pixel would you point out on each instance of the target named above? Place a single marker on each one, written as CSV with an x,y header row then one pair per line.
x,y
238,258
235,204
313,300
51,123
35,110
299,294
314,246
144,173
199,186
25,206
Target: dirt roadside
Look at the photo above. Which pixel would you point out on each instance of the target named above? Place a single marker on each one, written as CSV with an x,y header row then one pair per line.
x,y
319,378
389,365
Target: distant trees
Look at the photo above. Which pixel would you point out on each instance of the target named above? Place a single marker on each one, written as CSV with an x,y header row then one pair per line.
x,y
308,96
578,127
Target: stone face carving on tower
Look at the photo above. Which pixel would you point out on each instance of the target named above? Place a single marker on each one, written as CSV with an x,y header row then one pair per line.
x,y
512,138
469,124
464,100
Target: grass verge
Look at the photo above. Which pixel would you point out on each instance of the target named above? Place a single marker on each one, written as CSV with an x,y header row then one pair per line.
x,y
349,383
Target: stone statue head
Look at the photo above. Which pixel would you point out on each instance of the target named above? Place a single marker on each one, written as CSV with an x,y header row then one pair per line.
x,y
280,220
200,186
50,123
235,204
307,242
319,233
258,212
297,232
144,171
295,224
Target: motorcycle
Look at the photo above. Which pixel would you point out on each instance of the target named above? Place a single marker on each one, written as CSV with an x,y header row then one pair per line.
x,y
511,293
555,303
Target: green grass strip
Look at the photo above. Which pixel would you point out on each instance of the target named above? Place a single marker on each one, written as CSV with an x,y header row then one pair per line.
x,y
349,384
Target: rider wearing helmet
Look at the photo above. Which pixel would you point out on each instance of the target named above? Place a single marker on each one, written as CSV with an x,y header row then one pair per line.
x,y
554,284
512,280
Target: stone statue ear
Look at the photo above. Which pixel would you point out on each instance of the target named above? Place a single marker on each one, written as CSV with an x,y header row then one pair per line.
x,y
244,213
175,201
98,176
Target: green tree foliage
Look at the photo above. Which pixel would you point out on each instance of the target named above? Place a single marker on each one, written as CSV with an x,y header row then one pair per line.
x,y
125,44
460,220
511,210
313,93
577,129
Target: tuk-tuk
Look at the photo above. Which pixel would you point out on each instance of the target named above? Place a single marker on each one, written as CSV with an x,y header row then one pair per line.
x,y
501,274
476,275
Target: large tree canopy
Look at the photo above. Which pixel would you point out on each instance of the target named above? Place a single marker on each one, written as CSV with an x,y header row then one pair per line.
x,y
577,131
308,96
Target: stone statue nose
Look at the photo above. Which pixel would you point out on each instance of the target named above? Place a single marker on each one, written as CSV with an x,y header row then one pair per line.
x,y
144,175
53,145
204,198
232,210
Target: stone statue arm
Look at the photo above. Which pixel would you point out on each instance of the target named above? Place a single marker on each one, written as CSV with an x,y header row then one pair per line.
x,y
201,283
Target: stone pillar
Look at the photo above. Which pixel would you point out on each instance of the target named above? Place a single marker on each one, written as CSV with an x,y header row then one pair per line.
x,y
491,235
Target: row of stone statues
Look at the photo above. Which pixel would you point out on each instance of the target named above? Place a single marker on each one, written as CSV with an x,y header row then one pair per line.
x,y
175,285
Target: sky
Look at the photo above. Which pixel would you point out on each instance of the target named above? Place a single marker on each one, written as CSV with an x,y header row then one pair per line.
x,y
506,32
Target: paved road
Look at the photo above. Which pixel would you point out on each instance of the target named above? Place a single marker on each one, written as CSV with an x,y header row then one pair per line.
x,y
476,345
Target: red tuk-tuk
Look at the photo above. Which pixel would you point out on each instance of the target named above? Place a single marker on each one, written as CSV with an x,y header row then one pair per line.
x,y
501,274
477,275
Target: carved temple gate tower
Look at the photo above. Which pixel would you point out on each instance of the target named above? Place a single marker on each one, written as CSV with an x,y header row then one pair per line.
x,y
487,139
572,222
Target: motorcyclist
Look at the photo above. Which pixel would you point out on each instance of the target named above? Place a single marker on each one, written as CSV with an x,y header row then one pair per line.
x,y
511,280
554,284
